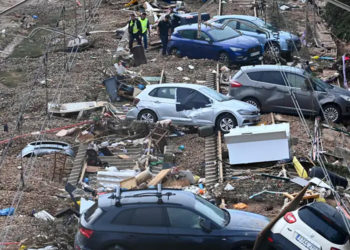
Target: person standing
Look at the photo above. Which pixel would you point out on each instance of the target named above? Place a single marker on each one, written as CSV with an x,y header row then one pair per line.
x,y
164,31
144,29
134,28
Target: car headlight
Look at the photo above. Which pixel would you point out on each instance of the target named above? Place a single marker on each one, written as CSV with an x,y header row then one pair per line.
x,y
234,49
247,112
345,97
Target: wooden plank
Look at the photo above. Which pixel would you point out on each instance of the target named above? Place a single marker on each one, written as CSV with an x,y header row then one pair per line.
x,y
129,183
159,177
83,172
92,169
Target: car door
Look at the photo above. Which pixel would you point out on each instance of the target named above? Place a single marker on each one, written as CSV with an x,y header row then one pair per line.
x,y
188,42
185,231
303,94
271,90
162,101
141,227
193,107
204,43
250,29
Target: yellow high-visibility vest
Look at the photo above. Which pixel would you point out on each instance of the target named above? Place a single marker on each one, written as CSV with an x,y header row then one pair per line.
x,y
144,24
134,29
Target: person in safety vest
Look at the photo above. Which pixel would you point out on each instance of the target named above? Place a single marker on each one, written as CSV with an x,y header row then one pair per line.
x,y
134,28
145,28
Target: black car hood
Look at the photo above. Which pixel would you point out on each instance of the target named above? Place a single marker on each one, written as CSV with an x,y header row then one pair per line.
x,y
241,220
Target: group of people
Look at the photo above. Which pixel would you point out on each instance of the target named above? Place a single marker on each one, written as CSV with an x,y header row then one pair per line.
x,y
140,29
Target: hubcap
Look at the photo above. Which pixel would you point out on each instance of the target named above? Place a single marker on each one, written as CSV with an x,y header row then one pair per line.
x,y
226,124
147,117
331,114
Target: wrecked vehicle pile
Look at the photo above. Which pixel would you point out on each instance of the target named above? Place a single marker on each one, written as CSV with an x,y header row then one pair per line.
x,y
178,152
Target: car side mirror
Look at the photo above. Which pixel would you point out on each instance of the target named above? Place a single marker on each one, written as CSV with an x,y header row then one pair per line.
x,y
205,225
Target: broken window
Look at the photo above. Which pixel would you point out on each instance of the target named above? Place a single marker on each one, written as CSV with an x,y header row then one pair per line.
x,y
188,99
274,77
183,218
168,93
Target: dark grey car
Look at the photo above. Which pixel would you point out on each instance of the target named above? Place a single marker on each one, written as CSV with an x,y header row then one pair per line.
x,y
270,88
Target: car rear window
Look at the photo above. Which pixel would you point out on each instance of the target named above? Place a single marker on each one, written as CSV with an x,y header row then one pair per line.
x,y
93,212
321,225
168,93
145,216
274,77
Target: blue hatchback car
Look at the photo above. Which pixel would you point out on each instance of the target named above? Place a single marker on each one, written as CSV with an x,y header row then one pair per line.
x,y
215,42
280,41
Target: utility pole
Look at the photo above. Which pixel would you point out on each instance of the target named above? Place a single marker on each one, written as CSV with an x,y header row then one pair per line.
x,y
306,22
199,25
46,87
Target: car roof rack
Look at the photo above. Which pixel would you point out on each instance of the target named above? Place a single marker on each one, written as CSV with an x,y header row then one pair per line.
x,y
117,195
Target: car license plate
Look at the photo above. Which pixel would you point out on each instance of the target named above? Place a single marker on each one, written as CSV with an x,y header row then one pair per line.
x,y
306,243
255,53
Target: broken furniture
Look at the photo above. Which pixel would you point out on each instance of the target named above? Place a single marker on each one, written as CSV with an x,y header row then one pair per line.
x,y
158,137
258,143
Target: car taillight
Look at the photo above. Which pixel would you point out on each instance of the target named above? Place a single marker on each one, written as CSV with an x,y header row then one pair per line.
x,y
270,239
86,232
136,101
289,217
235,84
334,248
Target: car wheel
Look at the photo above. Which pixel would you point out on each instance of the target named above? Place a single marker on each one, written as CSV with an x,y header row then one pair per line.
x,y
331,113
175,52
252,101
224,59
147,116
273,49
226,122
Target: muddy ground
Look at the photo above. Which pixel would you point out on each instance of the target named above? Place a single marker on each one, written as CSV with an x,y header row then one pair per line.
x,y
23,98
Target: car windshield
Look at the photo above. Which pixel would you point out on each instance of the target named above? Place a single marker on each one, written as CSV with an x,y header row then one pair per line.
x,y
219,216
317,83
223,34
214,95
263,24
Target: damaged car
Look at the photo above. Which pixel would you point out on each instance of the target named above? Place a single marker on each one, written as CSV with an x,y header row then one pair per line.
x,y
165,219
39,148
192,105
315,226
271,87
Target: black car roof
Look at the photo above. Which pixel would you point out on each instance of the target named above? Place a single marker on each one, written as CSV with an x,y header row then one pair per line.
x,y
170,196
330,212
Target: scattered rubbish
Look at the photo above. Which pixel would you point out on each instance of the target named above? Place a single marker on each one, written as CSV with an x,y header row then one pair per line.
x,y
44,216
263,192
229,187
113,176
78,43
186,78
74,107
275,177
258,143
284,7
240,206
159,177
188,175
7,211
181,147
40,148
190,67
180,69
299,168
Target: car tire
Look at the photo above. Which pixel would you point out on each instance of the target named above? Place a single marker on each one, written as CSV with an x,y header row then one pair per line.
x,y
273,49
147,116
253,101
175,52
226,122
331,112
224,58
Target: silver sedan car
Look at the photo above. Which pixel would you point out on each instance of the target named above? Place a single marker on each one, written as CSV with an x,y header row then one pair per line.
x,y
192,105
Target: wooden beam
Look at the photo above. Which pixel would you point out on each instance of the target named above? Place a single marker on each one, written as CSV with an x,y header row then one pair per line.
x,y
159,177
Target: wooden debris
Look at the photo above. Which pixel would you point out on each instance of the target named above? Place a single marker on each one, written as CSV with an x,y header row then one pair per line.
x,y
129,183
159,177
124,157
